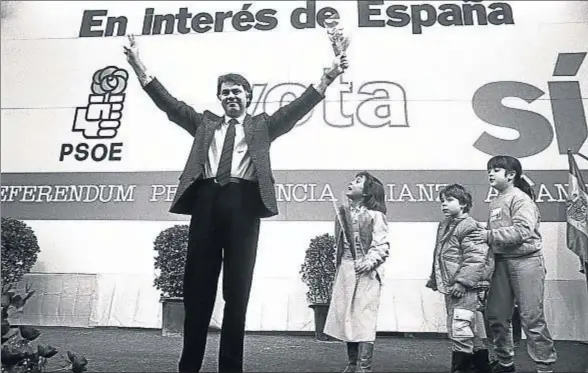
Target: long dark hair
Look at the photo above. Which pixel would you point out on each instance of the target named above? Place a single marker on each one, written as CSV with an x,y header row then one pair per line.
x,y
509,163
374,194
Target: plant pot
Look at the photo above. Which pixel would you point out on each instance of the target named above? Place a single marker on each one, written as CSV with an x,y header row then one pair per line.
x,y
320,317
172,323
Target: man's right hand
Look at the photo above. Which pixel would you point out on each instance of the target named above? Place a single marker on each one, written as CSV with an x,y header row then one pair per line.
x,y
132,53
132,50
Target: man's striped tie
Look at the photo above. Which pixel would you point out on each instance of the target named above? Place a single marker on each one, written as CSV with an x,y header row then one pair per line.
x,y
223,173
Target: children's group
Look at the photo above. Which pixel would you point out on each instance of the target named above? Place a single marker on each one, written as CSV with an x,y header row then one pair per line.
x,y
483,269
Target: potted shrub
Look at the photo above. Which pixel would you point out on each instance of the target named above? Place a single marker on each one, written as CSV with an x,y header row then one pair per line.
x,y
318,273
21,351
19,251
171,246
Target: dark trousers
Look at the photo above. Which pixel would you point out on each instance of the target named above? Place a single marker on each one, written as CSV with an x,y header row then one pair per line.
x,y
224,229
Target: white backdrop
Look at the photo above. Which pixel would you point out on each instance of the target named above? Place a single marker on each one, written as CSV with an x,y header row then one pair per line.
x,y
47,70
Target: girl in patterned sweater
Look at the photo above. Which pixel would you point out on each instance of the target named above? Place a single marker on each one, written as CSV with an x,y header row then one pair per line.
x,y
519,277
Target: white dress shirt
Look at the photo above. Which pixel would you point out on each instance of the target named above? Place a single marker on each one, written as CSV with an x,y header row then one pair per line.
x,y
241,166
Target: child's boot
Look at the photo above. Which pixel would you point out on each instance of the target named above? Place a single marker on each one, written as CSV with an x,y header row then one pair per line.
x,y
461,362
544,368
364,361
501,368
352,352
481,362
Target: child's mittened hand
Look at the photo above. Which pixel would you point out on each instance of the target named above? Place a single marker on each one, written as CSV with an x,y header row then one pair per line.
x,y
431,284
457,290
362,266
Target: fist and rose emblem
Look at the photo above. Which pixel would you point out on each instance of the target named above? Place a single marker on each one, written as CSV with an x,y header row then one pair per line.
x,y
110,80
100,119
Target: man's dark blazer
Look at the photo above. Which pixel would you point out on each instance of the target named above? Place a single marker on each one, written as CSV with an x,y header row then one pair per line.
x,y
260,131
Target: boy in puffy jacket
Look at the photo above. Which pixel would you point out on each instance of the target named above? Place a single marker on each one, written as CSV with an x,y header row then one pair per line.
x,y
462,271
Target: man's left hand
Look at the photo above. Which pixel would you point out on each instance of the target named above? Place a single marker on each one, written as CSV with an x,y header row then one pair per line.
x,y
339,65
330,74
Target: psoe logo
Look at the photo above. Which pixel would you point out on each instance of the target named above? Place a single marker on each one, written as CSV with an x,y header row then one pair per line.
x,y
536,133
99,121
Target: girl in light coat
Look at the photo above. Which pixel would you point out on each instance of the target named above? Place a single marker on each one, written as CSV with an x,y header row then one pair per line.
x,y
361,234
